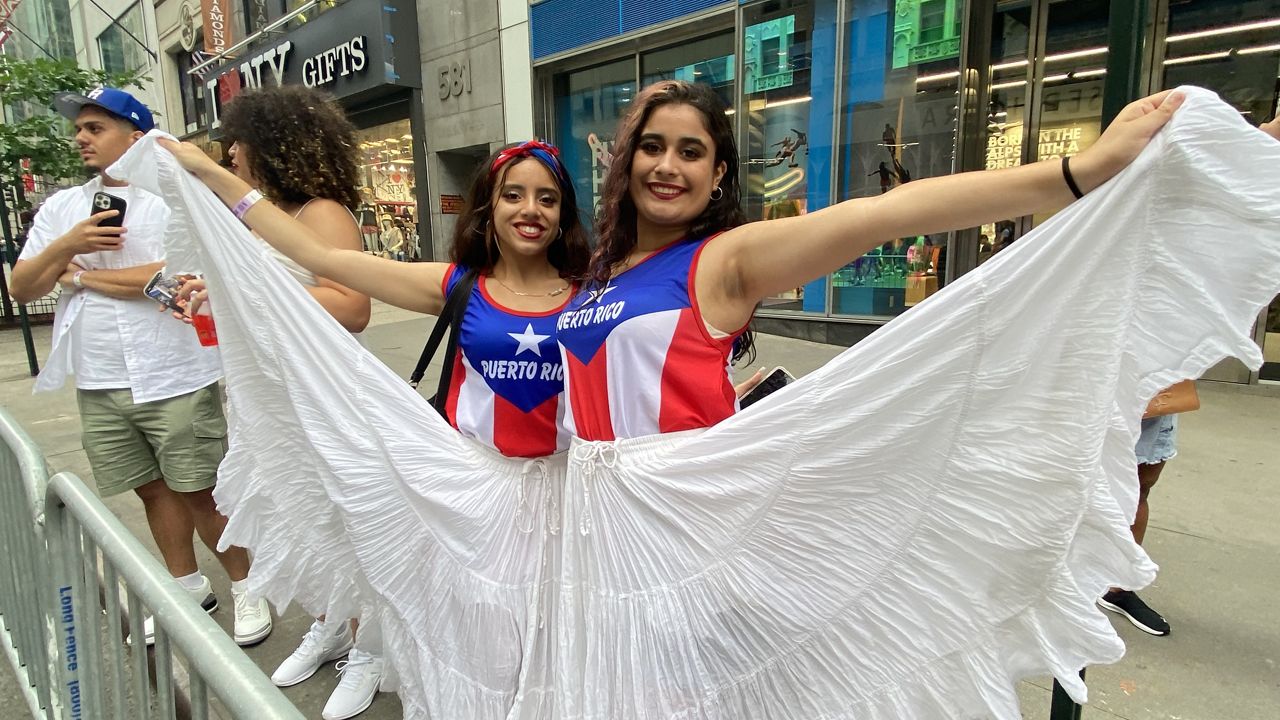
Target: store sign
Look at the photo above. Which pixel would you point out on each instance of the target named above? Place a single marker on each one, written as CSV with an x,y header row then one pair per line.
x,y
217,26
340,61
359,49
259,9
223,87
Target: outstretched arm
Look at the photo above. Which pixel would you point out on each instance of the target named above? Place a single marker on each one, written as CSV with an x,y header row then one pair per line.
x,y
412,286
754,261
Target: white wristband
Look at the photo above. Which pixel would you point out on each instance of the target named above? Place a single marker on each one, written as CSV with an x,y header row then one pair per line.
x,y
249,200
75,279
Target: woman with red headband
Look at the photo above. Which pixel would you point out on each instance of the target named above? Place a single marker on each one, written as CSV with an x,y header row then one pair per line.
x,y
518,250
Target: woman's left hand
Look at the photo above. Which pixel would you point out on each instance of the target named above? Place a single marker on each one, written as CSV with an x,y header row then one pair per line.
x,y
190,157
1124,138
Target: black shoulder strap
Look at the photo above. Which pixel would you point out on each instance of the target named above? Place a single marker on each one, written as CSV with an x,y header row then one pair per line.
x,y
455,306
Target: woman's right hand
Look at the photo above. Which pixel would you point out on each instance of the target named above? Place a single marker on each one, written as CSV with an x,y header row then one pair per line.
x,y
190,157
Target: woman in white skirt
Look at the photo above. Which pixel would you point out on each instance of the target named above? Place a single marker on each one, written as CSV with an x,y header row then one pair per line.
x,y
905,532
520,233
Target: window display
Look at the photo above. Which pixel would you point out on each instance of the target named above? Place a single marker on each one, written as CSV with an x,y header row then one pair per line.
x,y
897,124
589,104
388,212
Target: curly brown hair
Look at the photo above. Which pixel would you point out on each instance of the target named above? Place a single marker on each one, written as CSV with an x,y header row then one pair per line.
x,y
301,144
473,242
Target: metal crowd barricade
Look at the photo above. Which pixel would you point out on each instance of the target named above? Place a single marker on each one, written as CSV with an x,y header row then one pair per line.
x,y
67,562
25,608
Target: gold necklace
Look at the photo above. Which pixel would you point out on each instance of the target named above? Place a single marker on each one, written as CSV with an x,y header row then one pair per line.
x,y
513,291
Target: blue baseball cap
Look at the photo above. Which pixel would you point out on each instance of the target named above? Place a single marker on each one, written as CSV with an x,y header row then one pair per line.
x,y
117,102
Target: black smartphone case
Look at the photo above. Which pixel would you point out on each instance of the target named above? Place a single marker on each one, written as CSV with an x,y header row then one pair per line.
x,y
103,202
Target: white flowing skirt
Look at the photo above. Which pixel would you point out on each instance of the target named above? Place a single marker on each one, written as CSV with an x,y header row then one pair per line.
x,y
904,533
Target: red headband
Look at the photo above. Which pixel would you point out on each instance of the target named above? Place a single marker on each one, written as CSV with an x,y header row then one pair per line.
x,y
548,154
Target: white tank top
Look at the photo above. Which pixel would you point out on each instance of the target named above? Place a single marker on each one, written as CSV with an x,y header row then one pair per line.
x,y
303,275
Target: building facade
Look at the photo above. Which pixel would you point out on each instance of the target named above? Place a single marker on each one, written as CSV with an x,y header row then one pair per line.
x,y
836,99
432,87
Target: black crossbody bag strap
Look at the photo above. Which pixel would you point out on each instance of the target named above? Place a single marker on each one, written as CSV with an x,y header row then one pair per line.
x,y
455,306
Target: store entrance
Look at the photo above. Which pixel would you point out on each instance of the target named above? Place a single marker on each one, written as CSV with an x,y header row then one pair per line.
x,y
454,171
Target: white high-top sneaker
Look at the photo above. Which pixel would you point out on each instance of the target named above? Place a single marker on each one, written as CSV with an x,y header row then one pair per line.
x,y
322,643
361,679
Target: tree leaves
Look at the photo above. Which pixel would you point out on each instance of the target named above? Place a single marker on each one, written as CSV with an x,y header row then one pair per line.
x,y
34,132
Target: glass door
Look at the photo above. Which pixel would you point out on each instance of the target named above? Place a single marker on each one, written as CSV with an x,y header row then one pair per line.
x,y
1048,66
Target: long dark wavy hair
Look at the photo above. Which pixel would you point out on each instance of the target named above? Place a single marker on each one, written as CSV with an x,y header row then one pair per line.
x,y
474,242
616,220
301,144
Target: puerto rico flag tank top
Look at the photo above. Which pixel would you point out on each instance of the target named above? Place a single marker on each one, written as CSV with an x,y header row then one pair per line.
x,y
639,359
507,377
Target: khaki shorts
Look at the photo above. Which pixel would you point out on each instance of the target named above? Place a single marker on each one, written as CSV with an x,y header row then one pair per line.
x,y
181,439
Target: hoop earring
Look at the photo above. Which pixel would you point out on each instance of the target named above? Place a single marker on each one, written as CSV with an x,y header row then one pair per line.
x,y
561,233
716,193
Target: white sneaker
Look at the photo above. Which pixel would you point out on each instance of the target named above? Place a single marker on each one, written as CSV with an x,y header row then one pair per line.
x,y
202,595
253,619
321,644
361,678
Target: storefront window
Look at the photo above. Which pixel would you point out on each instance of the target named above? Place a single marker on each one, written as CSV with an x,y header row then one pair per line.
x,y
787,122
122,45
388,212
589,104
1074,74
708,60
195,114
897,124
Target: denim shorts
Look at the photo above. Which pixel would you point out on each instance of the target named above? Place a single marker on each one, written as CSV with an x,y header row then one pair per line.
x,y
1158,441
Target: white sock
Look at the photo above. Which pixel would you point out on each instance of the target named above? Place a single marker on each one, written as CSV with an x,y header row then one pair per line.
x,y
192,581
240,586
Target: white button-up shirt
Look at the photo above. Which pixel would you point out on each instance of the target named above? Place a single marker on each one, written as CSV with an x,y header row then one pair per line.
x,y
161,356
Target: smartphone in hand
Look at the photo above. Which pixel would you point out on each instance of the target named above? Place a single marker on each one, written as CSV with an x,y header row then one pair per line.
x,y
103,202
777,379
164,290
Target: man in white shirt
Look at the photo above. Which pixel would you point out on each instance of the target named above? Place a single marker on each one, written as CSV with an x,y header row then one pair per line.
x,y
150,406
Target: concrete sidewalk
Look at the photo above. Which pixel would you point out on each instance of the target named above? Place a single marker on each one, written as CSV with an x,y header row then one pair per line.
x,y
1212,531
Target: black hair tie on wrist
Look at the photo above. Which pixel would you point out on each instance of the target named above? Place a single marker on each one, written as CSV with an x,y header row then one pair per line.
x,y
1071,181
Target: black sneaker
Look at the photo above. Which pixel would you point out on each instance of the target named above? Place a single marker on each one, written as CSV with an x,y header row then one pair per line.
x,y
1128,604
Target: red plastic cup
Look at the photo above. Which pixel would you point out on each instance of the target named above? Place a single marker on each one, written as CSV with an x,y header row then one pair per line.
x,y
205,330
